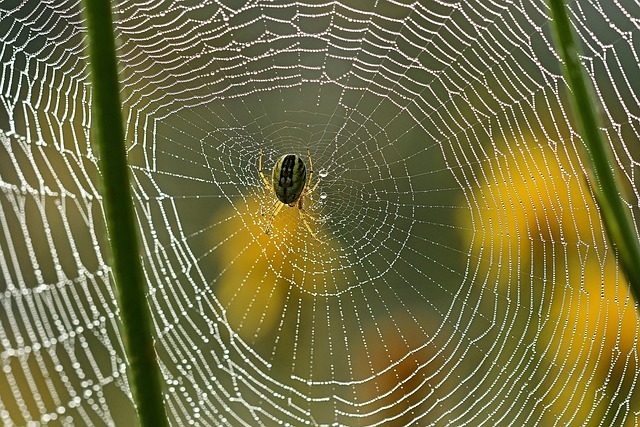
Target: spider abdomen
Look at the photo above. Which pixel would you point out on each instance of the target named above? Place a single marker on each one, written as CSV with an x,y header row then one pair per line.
x,y
289,178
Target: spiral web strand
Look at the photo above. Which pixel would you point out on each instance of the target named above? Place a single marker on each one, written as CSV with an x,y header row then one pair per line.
x,y
461,275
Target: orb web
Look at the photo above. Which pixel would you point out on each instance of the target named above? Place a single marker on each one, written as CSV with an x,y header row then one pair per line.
x,y
458,271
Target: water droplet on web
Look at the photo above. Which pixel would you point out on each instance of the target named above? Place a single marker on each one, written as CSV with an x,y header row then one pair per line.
x,y
323,196
323,173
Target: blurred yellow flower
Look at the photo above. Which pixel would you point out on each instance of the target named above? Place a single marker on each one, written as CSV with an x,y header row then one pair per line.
x,y
533,228
530,200
406,370
261,272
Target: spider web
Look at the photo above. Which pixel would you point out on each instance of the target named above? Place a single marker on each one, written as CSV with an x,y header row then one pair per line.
x,y
460,274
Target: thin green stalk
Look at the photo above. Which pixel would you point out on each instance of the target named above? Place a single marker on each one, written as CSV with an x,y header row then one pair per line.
x,y
617,220
107,129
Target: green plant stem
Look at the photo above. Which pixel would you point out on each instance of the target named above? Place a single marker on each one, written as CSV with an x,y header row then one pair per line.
x,y
616,217
107,129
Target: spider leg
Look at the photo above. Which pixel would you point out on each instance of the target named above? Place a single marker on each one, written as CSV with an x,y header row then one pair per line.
x,y
276,208
306,212
271,209
264,178
313,189
313,218
306,187
304,215
274,211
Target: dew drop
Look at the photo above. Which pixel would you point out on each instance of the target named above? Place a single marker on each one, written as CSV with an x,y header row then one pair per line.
x,y
323,173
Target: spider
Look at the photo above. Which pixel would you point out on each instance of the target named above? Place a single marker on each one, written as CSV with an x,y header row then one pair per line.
x,y
291,186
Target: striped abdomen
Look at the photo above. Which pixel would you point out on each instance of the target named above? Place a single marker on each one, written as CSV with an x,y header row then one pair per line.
x,y
289,178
